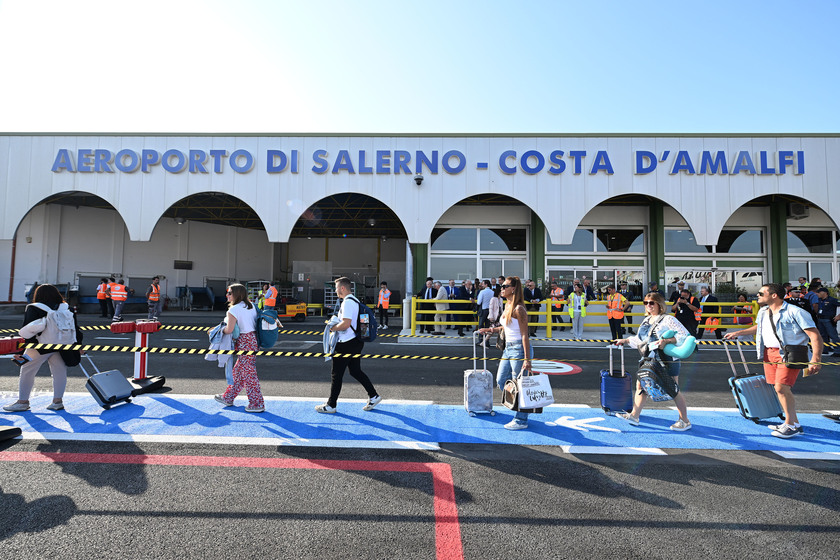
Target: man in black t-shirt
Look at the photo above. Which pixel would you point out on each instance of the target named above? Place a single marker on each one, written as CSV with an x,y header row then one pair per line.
x,y
684,310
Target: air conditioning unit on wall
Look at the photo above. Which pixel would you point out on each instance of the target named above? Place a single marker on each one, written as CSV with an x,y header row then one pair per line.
x,y
797,211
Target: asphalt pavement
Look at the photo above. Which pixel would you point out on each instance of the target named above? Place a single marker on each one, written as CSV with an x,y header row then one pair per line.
x,y
461,499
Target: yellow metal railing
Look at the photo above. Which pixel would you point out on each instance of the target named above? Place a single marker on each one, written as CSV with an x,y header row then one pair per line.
x,y
727,320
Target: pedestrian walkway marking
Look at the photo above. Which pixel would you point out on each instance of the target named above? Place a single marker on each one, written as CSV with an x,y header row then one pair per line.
x,y
401,425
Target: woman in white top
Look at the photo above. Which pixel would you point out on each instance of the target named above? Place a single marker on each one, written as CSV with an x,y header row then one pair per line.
x,y
658,321
242,312
514,321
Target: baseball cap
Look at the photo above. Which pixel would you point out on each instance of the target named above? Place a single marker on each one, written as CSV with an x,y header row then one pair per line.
x,y
651,284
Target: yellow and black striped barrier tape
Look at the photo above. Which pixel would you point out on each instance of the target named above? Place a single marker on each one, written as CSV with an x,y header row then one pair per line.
x,y
290,332
297,354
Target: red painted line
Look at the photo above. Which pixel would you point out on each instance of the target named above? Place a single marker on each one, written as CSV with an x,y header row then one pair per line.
x,y
448,542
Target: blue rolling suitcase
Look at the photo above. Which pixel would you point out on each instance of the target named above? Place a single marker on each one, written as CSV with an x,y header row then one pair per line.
x,y
616,388
754,397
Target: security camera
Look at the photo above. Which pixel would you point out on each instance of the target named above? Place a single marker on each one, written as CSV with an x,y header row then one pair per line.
x,y
418,178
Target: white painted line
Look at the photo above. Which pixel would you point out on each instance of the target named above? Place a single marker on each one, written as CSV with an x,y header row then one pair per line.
x,y
182,339
224,440
708,409
809,455
268,398
558,405
604,450
111,338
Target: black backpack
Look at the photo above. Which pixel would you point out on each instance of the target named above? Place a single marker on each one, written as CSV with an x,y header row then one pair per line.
x,y
366,322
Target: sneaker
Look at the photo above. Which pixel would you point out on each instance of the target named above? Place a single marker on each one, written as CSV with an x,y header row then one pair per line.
x,y
255,409
516,425
681,426
16,407
787,431
779,426
835,417
221,400
384,327
372,403
626,416
55,406
325,409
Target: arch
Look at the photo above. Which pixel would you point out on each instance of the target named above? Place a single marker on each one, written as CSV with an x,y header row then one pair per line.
x,y
70,198
484,197
215,208
575,219
346,214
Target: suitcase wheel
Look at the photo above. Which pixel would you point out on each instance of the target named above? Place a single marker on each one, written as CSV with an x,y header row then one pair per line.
x,y
106,406
755,420
472,413
492,413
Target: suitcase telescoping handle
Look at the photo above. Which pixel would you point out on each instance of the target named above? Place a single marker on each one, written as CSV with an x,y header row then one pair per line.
x,y
475,352
96,369
621,348
732,363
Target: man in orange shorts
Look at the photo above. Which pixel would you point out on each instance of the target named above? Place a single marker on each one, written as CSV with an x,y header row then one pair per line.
x,y
790,325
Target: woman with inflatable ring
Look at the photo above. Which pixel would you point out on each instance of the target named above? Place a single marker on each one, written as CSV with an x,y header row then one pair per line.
x,y
514,321
656,319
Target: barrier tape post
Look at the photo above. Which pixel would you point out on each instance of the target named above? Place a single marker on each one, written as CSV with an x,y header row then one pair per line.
x,y
141,382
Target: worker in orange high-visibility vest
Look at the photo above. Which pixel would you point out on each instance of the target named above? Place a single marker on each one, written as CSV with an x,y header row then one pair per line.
x,y
269,296
557,295
111,284
102,297
382,304
119,293
615,312
155,300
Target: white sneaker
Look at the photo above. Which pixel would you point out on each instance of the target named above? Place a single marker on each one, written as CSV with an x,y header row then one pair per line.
x,y
680,426
372,403
516,425
16,407
56,406
325,409
221,400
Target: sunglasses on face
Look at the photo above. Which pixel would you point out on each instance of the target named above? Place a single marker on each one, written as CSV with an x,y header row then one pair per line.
x,y
504,286
650,303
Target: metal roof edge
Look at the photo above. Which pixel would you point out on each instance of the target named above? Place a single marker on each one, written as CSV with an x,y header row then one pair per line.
x,y
444,135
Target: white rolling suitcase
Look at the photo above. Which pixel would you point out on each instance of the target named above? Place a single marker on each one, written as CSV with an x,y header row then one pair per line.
x,y
478,385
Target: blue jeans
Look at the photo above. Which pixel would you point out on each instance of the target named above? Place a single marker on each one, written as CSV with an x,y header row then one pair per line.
x,y
512,361
828,332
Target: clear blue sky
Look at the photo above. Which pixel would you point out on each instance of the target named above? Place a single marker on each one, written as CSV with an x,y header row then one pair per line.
x,y
419,66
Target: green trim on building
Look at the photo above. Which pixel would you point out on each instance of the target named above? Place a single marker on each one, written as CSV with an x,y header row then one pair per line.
x,y
570,262
693,263
635,263
656,243
421,264
778,242
537,253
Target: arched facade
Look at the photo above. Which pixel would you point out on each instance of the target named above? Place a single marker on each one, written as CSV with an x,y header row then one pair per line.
x,y
555,185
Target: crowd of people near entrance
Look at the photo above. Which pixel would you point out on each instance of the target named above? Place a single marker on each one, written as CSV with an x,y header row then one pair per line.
x,y
789,315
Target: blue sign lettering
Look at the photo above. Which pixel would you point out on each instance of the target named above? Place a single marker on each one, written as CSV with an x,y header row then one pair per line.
x,y
643,168
602,162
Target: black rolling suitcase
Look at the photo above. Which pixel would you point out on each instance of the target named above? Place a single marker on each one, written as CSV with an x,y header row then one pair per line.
x,y
108,387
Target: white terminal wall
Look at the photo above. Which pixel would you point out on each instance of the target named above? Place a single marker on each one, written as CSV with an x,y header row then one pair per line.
x,y
135,241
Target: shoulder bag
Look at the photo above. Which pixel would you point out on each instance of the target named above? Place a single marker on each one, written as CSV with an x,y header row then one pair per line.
x,y
795,355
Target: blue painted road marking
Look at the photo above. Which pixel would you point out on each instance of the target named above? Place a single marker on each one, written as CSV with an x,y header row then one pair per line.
x,y
420,425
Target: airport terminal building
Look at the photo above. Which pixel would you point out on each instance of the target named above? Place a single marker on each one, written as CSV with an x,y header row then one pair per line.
x,y
731,211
